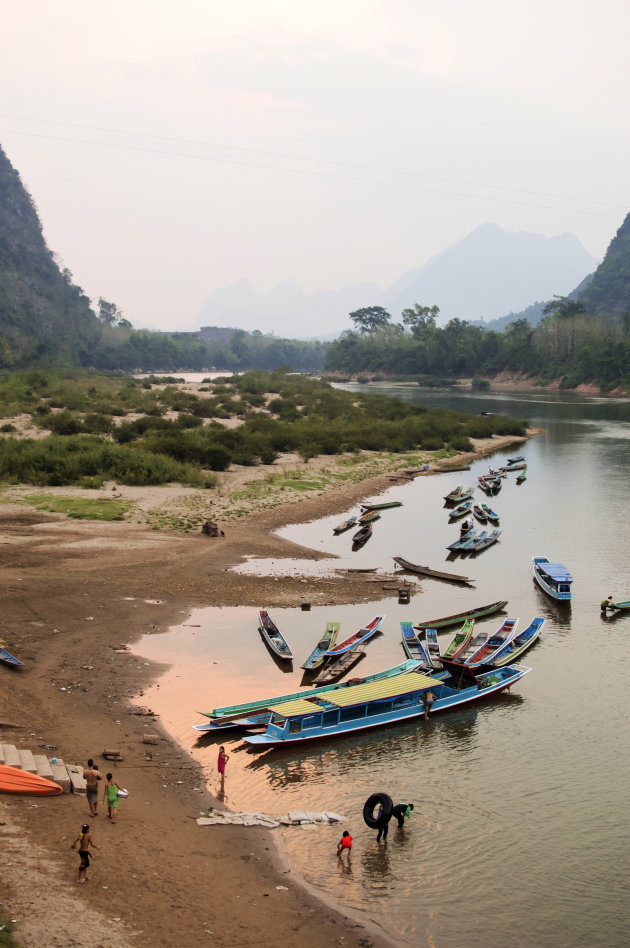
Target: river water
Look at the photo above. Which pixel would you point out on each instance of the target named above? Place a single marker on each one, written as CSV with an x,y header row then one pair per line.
x,y
519,833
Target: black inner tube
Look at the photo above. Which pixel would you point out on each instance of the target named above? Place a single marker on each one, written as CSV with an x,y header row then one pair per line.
x,y
370,805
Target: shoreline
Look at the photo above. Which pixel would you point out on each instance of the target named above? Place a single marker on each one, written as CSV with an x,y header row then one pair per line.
x,y
75,591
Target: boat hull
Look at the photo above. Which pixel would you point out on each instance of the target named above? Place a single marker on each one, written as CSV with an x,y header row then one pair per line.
x,y
13,780
446,621
481,688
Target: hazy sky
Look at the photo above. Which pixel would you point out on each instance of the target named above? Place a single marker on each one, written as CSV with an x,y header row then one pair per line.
x,y
174,148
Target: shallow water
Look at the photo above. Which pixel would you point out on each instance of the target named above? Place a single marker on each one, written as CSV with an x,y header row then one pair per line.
x,y
518,830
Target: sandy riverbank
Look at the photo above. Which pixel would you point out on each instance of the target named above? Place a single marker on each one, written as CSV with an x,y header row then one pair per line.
x,y
74,591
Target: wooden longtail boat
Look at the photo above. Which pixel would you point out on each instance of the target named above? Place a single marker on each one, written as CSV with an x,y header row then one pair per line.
x,y
478,613
460,640
522,477
480,513
413,646
516,466
316,658
482,543
361,636
376,704
339,666
461,511
363,535
492,646
516,460
7,659
619,606
474,543
465,536
464,655
454,494
433,647
490,514
346,525
272,636
369,516
385,506
519,644
553,578
468,542
432,573
229,714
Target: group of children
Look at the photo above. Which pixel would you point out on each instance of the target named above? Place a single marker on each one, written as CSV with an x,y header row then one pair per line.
x,y
401,812
110,796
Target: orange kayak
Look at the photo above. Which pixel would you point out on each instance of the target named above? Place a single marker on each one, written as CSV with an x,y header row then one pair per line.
x,y
13,780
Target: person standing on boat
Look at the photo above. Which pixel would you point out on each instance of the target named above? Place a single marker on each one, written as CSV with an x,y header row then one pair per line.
x,y
222,760
400,811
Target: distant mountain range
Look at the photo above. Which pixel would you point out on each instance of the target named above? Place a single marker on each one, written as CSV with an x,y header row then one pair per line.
x,y
484,276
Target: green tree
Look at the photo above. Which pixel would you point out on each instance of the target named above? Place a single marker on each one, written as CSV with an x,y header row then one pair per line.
x,y
420,318
108,313
370,318
564,308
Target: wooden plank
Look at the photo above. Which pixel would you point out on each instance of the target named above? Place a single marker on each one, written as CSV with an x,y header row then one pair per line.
x,y
11,756
77,780
43,767
27,761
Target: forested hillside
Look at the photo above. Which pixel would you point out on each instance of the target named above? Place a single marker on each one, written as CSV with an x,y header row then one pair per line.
x,y
43,315
609,289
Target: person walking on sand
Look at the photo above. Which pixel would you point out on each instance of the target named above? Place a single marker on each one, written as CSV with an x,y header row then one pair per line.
x,y
84,839
92,777
222,760
110,796
344,845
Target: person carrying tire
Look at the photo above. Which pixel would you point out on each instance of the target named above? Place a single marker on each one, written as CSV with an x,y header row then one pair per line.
x,y
400,811
382,803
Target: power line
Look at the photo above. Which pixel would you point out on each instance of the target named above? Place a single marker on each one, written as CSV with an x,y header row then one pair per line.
x,y
318,174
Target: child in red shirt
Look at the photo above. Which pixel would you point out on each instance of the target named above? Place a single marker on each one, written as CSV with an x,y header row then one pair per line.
x,y
345,843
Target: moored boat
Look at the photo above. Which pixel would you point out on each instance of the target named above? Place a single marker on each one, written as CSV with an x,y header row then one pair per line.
x,y
360,707
433,573
328,639
479,513
475,542
460,640
461,511
458,617
522,476
229,714
618,606
491,647
482,543
553,578
7,659
516,466
490,514
433,647
454,494
362,535
384,506
272,636
516,460
369,516
361,636
519,644
337,667
346,525
413,646
463,656
464,537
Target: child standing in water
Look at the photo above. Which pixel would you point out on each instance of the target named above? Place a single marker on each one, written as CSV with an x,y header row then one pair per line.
x,y
344,845
110,796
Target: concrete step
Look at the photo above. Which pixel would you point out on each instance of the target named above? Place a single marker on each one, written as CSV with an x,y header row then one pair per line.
x,y
77,781
43,766
60,775
27,761
11,756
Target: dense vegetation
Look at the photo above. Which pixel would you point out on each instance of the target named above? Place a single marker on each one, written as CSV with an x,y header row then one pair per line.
x,y
150,431
574,348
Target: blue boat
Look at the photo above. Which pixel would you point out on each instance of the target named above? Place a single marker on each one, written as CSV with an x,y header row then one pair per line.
x,y
483,542
375,704
518,645
432,646
491,647
466,535
232,715
461,511
316,658
7,659
553,578
413,646
273,637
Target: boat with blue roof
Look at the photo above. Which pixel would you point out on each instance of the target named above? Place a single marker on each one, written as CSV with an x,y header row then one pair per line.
x,y
553,578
